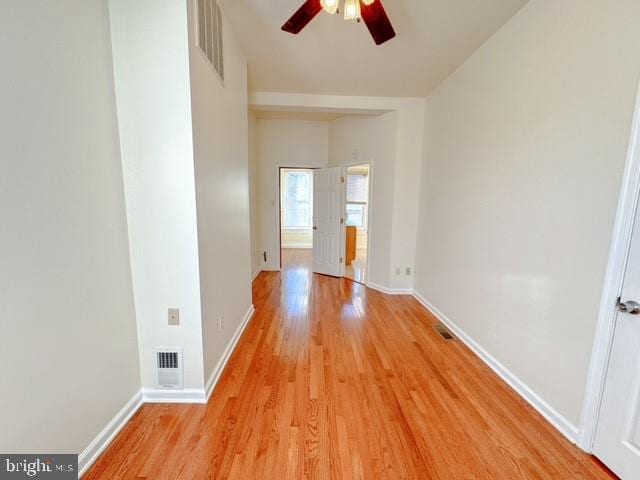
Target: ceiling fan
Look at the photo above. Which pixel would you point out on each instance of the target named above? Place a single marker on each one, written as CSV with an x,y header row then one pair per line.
x,y
372,12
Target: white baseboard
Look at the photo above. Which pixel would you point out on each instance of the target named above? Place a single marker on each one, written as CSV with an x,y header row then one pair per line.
x,y
185,395
562,424
108,433
219,368
390,291
198,395
303,246
151,395
255,275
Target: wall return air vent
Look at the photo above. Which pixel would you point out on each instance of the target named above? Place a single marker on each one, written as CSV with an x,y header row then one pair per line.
x,y
210,34
169,370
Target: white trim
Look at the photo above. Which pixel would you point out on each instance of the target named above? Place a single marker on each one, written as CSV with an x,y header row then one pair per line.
x,y
152,395
562,424
255,275
200,395
304,246
342,247
222,363
390,291
183,395
278,215
343,235
618,253
108,433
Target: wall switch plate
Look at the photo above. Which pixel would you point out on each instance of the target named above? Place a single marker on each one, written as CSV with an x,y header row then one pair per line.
x,y
408,271
397,270
174,316
220,323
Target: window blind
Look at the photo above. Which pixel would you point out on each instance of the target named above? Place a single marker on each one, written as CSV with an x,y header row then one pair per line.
x,y
357,188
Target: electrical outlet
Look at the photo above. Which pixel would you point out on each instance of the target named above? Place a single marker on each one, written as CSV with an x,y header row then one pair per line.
x,y
408,271
220,323
397,270
174,316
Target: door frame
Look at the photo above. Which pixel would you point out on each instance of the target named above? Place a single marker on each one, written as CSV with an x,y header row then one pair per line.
x,y
279,169
616,266
343,240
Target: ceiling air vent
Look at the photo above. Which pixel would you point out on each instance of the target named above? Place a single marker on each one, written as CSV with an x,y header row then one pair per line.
x,y
169,368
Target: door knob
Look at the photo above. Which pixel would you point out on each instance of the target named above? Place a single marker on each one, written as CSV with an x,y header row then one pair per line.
x,y
315,228
632,307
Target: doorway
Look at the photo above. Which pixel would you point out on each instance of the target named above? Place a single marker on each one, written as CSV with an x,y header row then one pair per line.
x,y
617,436
356,239
296,216
610,424
324,217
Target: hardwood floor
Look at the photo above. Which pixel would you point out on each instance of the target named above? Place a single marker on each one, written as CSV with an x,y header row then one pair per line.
x,y
333,380
357,271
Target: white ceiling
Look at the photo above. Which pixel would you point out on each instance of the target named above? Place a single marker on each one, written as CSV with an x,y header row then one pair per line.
x,y
332,56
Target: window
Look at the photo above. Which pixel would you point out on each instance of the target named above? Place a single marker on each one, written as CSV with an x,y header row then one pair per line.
x,y
357,188
357,197
296,198
356,215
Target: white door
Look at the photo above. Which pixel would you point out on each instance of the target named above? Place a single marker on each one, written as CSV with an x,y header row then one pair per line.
x,y
327,201
617,441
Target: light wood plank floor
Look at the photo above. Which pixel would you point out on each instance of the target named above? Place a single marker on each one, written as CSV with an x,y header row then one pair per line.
x,y
333,380
357,271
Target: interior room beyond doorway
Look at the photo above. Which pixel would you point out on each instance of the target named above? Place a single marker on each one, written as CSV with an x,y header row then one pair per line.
x,y
296,211
357,222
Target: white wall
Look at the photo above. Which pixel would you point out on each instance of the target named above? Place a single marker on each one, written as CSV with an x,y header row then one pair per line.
x,y
406,193
151,58
391,144
357,140
220,139
524,151
68,349
283,143
253,193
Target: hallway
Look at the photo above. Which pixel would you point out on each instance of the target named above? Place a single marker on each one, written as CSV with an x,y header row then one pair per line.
x,y
334,380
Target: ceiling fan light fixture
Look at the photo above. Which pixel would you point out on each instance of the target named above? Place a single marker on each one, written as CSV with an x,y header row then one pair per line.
x,y
330,6
352,9
371,12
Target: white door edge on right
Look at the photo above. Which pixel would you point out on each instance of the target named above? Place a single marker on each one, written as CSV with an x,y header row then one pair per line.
x,y
617,438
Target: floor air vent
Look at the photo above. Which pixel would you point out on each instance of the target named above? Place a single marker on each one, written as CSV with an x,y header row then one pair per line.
x,y
444,332
169,368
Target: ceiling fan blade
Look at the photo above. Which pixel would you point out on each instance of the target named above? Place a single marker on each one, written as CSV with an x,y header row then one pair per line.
x,y
302,17
376,19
